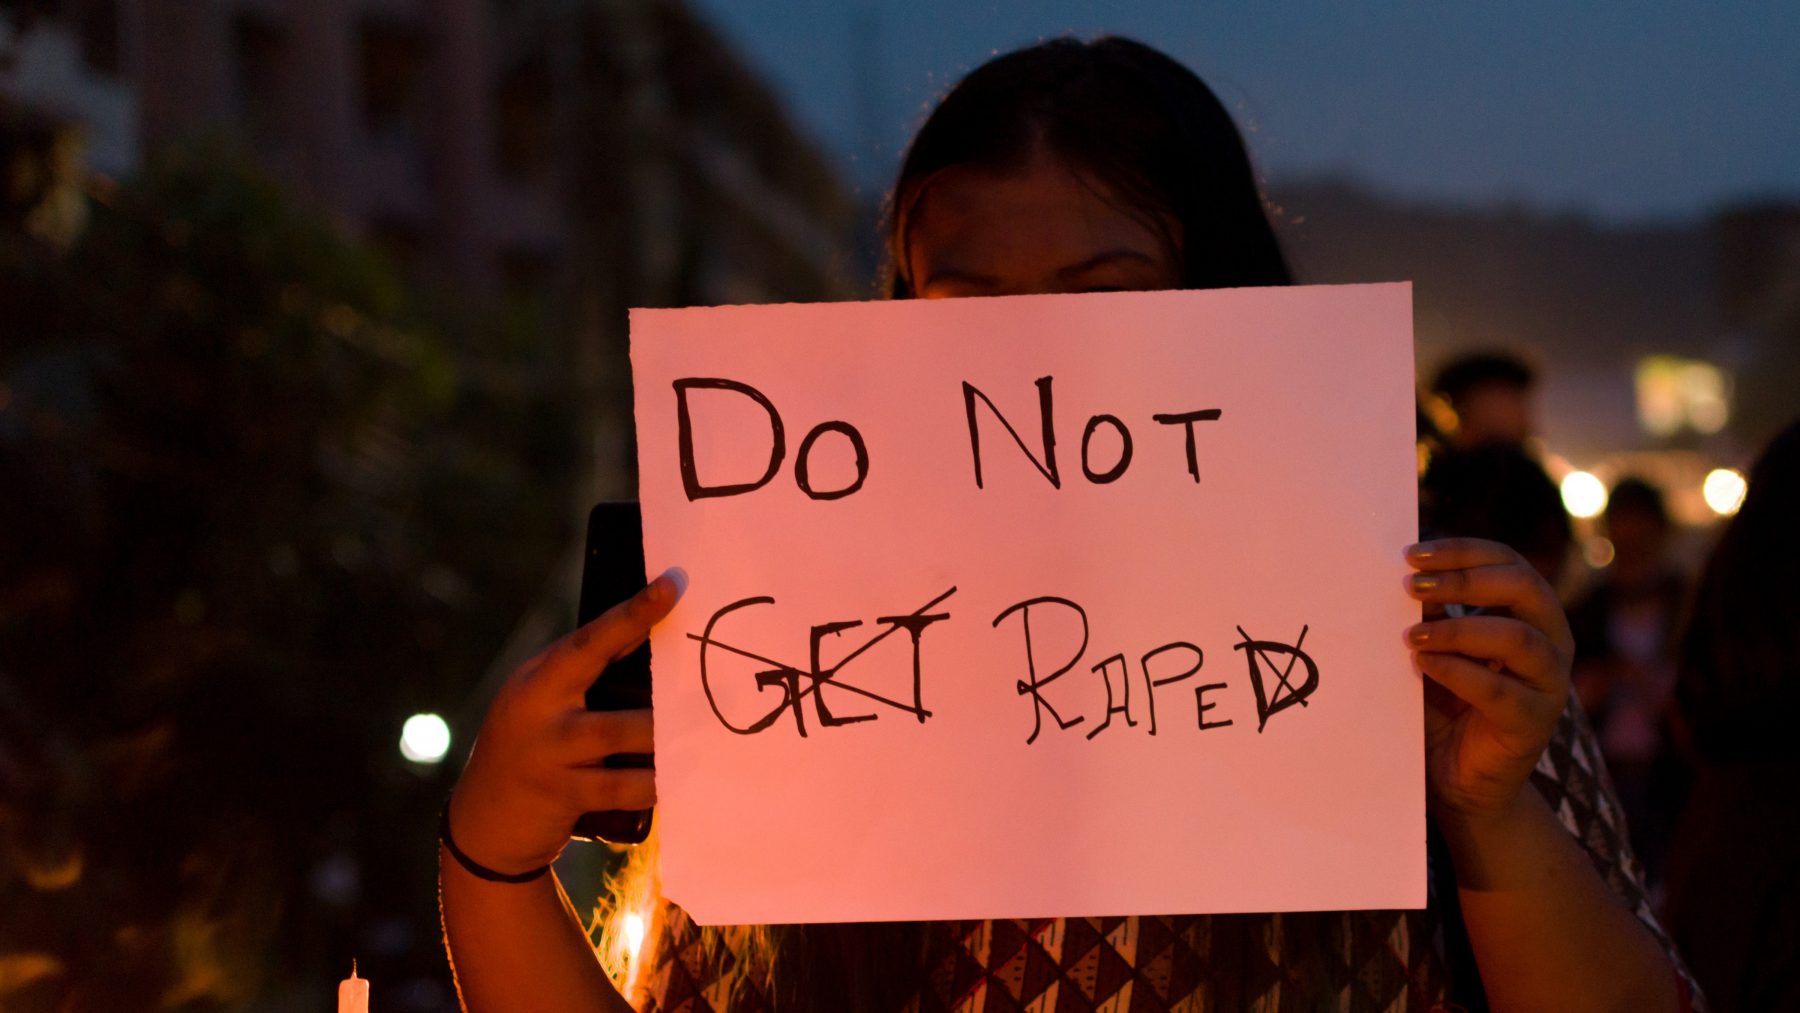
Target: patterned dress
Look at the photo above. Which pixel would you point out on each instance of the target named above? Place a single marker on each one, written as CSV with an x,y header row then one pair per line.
x,y
1263,963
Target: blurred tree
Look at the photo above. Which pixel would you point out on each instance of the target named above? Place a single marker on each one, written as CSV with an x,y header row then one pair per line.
x,y
258,506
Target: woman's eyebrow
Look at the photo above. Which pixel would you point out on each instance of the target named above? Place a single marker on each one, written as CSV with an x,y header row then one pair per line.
x,y
1102,259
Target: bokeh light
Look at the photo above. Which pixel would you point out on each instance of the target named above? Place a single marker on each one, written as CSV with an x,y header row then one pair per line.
x,y
1598,552
425,738
1724,490
1583,495
1674,392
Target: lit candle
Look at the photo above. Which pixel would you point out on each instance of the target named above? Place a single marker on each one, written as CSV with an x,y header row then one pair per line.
x,y
353,993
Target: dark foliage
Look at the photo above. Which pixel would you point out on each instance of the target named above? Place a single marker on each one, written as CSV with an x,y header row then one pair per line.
x,y
256,510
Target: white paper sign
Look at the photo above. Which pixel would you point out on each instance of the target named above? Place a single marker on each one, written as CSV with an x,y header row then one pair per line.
x,y
1035,606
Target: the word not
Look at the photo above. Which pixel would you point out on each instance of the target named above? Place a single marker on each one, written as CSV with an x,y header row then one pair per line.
x,y
1045,460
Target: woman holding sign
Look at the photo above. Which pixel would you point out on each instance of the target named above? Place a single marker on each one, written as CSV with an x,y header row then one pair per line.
x,y
1075,167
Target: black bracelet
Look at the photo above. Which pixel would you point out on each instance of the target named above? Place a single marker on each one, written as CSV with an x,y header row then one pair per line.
x,y
475,868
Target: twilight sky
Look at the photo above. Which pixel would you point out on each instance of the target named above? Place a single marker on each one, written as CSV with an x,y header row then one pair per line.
x,y
1630,112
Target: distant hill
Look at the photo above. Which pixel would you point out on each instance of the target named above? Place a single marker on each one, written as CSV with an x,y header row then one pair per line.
x,y
1574,291
1583,299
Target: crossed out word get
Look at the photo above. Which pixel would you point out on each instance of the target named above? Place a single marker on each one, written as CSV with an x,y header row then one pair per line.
x,y
796,684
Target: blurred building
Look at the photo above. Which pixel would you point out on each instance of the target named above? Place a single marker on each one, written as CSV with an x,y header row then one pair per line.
x,y
582,155
59,115
453,132
585,155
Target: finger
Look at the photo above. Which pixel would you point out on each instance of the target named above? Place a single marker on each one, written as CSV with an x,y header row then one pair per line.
x,y
576,660
1499,585
628,648
1503,700
598,789
1441,709
1460,553
1514,586
592,736
1517,645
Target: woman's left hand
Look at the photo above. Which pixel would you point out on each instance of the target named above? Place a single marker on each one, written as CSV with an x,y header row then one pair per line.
x,y
1498,681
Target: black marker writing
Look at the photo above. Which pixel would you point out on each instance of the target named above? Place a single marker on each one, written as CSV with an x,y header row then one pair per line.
x,y
690,471
1152,683
1272,680
1034,685
802,459
1047,466
684,435
1087,436
1125,681
1201,706
762,680
788,678
1284,694
1188,419
1046,463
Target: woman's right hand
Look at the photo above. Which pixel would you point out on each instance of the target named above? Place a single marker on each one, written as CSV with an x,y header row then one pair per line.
x,y
536,765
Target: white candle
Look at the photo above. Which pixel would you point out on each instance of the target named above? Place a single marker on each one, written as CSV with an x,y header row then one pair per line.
x,y
353,993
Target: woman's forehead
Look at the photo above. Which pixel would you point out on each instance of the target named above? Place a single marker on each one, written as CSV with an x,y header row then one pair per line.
x,y
1038,219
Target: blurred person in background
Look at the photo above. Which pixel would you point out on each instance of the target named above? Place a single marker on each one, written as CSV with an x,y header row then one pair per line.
x,y
1491,394
1625,629
1733,873
1497,491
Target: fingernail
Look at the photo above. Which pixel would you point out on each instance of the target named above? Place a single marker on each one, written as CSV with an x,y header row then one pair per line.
x,y
1419,634
678,577
1421,551
1423,583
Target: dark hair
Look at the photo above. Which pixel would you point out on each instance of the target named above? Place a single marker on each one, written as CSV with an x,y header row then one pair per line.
x,y
1496,491
1464,373
1739,680
1636,494
1128,115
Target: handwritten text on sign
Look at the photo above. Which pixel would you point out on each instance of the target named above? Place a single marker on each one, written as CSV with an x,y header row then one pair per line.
x,y
1032,606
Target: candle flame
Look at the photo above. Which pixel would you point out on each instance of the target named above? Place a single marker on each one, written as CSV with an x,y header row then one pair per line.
x,y
634,933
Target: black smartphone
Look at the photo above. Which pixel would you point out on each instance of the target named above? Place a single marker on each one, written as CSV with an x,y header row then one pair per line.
x,y
612,571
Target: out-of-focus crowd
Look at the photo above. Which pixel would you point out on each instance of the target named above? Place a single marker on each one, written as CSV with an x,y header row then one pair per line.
x,y
1688,676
